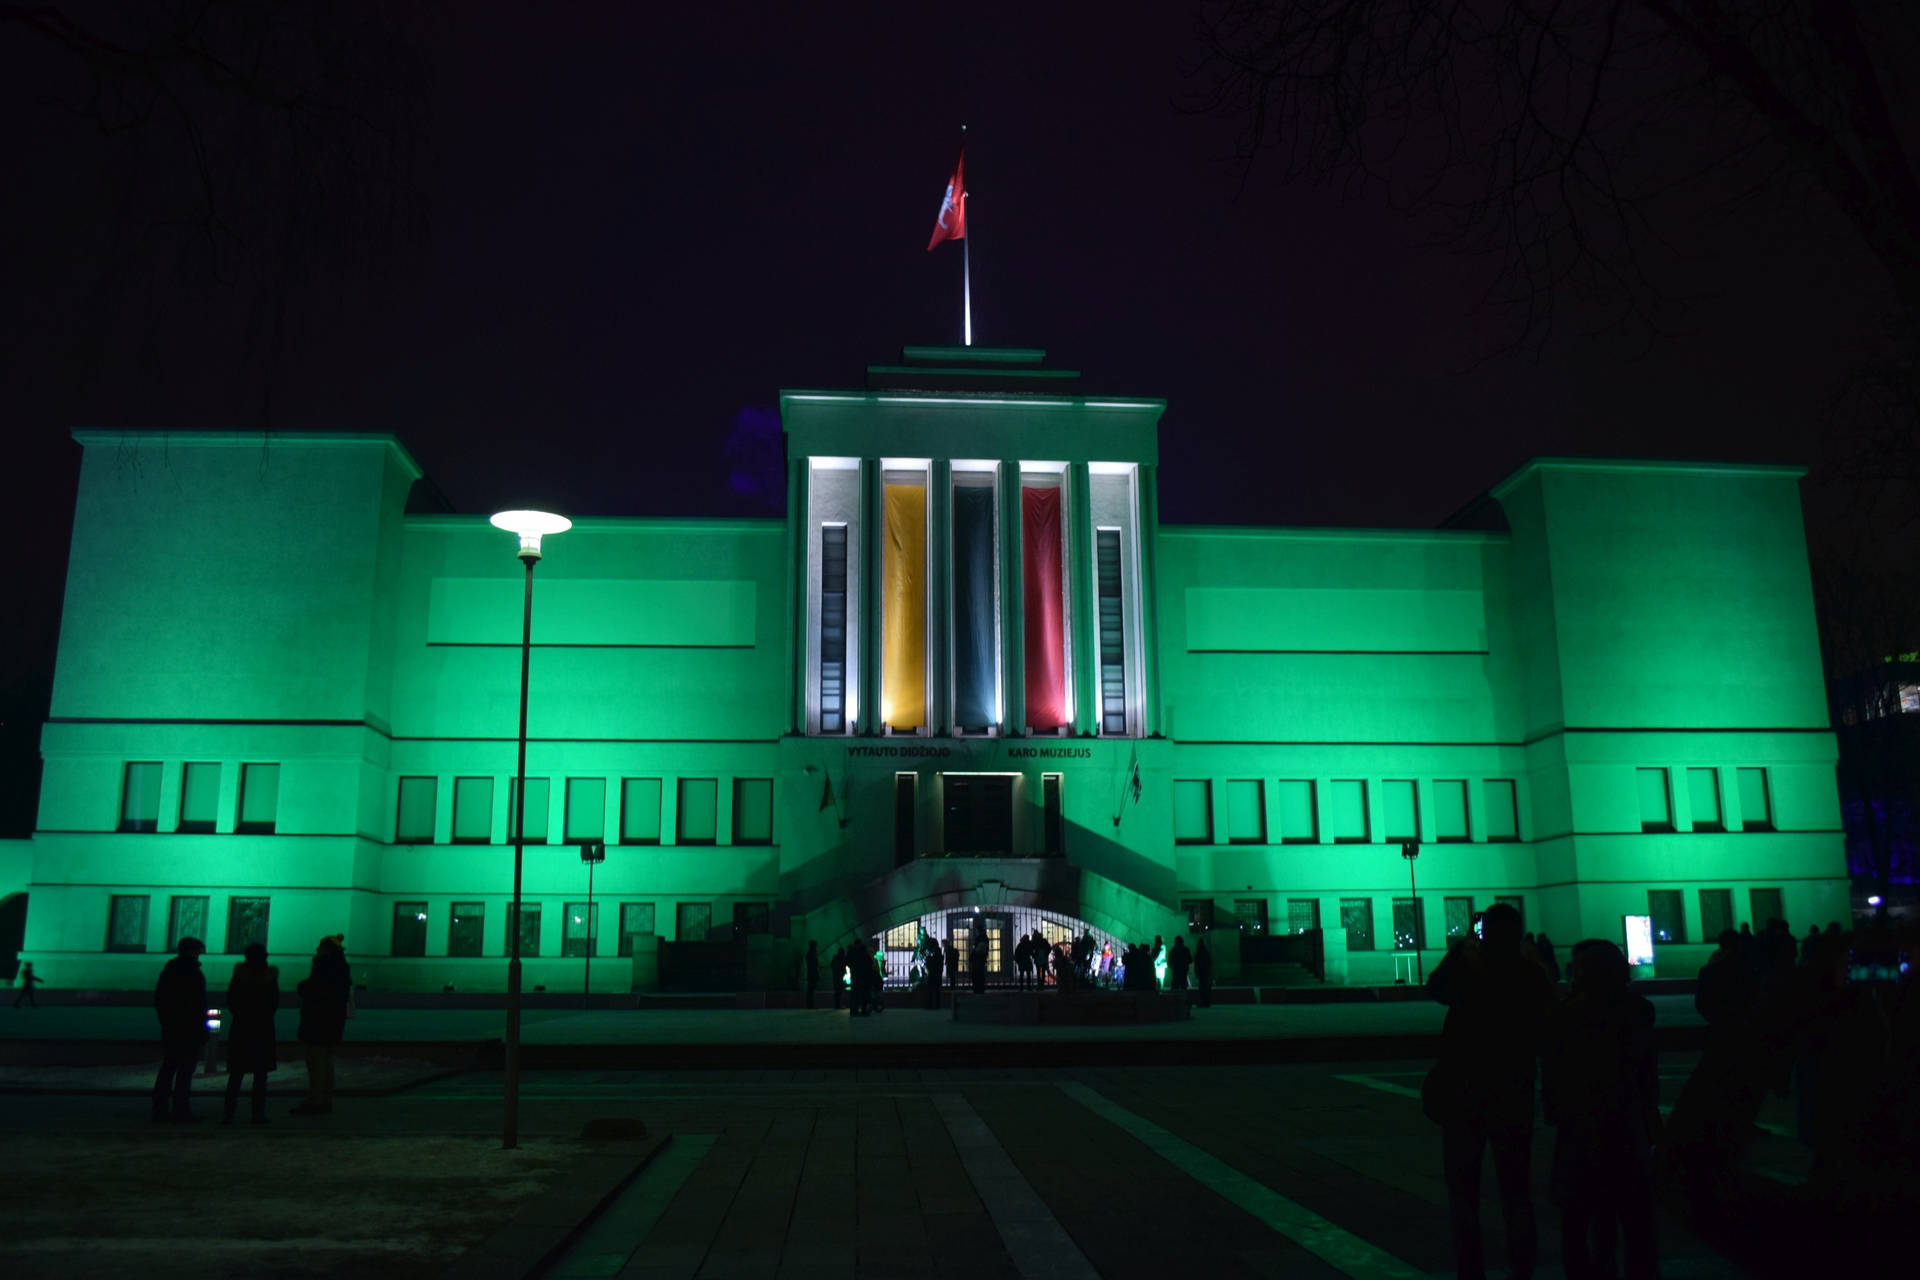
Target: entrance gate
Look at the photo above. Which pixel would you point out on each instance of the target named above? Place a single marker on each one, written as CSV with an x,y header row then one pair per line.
x,y
1003,927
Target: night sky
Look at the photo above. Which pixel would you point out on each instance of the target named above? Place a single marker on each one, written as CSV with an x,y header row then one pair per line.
x,y
646,220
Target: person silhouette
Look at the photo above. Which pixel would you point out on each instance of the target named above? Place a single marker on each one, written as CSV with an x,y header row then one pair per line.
x,y
1178,960
28,981
252,997
180,1000
325,996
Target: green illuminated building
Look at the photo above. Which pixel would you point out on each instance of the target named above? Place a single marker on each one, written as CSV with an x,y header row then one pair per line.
x,y
971,671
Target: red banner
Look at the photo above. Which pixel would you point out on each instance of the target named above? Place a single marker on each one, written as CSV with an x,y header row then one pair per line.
x,y
1046,638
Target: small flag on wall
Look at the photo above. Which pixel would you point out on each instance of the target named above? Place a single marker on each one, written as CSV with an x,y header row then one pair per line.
x,y
952,222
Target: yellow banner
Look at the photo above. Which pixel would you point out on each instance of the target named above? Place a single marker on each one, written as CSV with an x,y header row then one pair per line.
x,y
903,620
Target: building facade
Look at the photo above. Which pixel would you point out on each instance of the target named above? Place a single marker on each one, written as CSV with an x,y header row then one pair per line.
x,y
970,681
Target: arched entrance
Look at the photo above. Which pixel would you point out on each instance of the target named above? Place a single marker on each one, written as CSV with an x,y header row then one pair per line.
x,y
1002,927
13,933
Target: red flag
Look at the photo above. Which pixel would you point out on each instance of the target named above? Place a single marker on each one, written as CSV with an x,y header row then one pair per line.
x,y
952,222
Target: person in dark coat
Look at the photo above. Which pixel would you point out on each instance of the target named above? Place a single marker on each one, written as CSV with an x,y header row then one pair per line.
x,y
1543,949
324,996
1481,1089
1178,960
936,962
1203,973
252,997
27,983
977,960
837,975
180,1001
1023,960
813,970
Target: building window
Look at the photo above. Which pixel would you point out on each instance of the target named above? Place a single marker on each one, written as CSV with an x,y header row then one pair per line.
x,y
833,628
1251,913
1347,804
903,602
539,793
692,921
246,923
902,937
413,821
640,811
906,788
472,810
1356,917
1519,905
409,929
636,918
1044,603
1053,834
140,798
978,812
467,929
1669,918
582,933
1703,792
1764,905
1402,806
976,605
1193,811
259,799
127,921
697,820
1756,809
1656,807
1199,912
1298,821
586,810
529,921
199,798
1459,917
1409,928
187,917
1450,810
1503,810
1302,914
1113,632
1246,812
751,918
753,810
1716,913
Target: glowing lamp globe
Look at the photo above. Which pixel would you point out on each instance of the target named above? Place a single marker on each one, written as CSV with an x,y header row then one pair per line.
x,y
529,526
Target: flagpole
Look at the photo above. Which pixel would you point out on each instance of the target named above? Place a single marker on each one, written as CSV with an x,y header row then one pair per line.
x,y
966,258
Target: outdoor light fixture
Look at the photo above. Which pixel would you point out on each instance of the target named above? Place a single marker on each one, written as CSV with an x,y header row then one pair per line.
x,y
529,527
1873,899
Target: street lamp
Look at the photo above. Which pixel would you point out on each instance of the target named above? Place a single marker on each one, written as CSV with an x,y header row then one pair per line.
x,y
1410,850
529,527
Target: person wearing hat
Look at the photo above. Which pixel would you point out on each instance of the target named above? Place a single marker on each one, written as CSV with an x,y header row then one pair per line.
x,y
252,997
180,1000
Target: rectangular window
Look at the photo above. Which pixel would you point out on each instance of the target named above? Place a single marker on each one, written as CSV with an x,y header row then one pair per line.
x,y
902,937
1044,603
1347,805
1716,913
1298,822
1052,823
409,929
246,923
259,798
1703,793
640,811
833,628
1409,926
1503,810
1356,917
979,812
187,917
127,920
1252,913
976,613
1402,804
1113,631
1246,812
906,825
467,929
1302,914
1669,915
140,798
699,800
586,810
1756,808
582,934
1199,912
753,810
472,810
539,793
413,821
751,918
1459,917
1450,810
693,921
903,603
1519,905
1765,905
199,797
529,922
636,918
1656,808
1193,811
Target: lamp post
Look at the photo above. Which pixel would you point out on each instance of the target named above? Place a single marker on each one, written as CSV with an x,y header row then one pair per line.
x,y
1410,850
529,526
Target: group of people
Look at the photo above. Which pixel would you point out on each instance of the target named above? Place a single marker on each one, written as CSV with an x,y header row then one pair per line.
x,y
858,974
252,1000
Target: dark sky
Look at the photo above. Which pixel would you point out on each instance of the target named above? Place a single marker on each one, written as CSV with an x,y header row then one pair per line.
x,y
646,219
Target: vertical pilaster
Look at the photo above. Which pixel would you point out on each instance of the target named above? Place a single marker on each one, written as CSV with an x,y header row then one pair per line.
x,y
799,584
939,597
1083,611
1013,629
872,538
1149,526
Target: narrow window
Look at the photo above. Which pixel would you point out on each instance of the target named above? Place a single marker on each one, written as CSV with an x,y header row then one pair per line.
x,y
636,919
127,920
1756,809
1348,800
693,921
582,930
1356,917
1299,824
976,667
697,821
751,918
1113,631
409,929
1703,792
753,811
1246,812
1043,593
1764,905
187,917
1716,913
466,929
586,810
833,628
1053,833
1450,810
1199,912
259,798
413,821
1251,913
199,797
640,811
529,922
472,810
1503,811
1459,917
1193,811
538,793
1409,930
1303,914
1669,915
1656,808
905,794
140,798
1403,809
246,923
